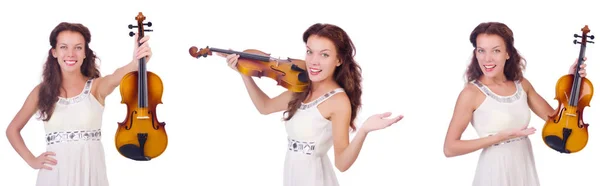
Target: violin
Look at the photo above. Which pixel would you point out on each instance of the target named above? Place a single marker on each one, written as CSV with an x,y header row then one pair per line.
x,y
141,136
288,73
565,130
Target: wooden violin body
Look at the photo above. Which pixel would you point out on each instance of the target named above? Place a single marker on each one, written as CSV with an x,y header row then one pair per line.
x,y
141,136
289,73
565,131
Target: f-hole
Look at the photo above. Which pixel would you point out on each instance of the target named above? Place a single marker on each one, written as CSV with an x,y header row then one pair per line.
x,y
559,115
155,127
131,120
580,123
277,70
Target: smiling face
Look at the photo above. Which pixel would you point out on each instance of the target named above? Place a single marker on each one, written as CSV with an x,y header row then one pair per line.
x,y
321,58
491,55
69,51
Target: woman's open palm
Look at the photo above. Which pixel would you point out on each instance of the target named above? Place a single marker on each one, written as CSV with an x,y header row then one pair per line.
x,y
380,121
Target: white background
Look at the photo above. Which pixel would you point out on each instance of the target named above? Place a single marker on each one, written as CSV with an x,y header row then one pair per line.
x,y
413,56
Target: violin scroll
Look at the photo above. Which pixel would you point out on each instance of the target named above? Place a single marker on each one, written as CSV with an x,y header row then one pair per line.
x,y
584,37
140,25
197,53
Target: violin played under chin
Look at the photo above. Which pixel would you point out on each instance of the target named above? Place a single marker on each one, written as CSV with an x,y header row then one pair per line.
x,y
289,73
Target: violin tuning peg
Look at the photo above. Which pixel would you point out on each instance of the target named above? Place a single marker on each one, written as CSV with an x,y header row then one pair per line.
x,y
591,36
576,36
590,42
131,26
148,30
575,42
131,34
149,24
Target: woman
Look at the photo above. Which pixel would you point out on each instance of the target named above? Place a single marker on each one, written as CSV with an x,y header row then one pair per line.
x,y
322,115
497,101
70,101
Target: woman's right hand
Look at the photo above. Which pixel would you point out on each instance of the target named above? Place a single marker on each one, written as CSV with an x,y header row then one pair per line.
x,y
41,161
231,59
517,132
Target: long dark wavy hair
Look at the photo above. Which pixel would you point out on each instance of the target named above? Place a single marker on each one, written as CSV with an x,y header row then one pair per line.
x,y
347,75
52,75
513,69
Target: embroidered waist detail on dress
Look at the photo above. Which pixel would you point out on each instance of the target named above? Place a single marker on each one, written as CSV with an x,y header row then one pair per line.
x,y
71,136
511,140
301,146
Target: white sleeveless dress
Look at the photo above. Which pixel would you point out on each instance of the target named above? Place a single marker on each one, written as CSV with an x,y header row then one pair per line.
x,y
309,139
73,133
509,163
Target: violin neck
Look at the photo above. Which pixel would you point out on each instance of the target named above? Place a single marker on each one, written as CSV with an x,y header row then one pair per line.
x,y
243,54
576,86
142,84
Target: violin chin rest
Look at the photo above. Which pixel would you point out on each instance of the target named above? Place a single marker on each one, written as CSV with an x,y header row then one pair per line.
x,y
132,151
303,77
556,143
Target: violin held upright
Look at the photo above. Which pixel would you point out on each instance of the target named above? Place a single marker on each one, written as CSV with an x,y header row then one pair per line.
x,y
141,136
565,130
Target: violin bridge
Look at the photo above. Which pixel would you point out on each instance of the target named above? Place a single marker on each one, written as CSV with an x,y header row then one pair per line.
x,y
143,117
143,114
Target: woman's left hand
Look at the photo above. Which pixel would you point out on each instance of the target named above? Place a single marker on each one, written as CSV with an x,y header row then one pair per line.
x,y
380,121
582,71
143,50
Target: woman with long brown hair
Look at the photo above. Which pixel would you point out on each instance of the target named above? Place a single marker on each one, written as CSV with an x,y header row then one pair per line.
x,y
498,102
322,115
70,100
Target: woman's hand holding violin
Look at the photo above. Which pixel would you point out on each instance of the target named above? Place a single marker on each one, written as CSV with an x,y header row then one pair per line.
x,y
231,59
582,71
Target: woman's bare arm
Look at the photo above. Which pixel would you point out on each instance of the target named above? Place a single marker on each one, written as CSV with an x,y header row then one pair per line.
x,y
346,152
263,103
463,112
107,84
538,105
13,131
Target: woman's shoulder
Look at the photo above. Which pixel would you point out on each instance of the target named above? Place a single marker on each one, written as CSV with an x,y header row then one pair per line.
x,y
471,88
35,91
338,100
524,82
470,92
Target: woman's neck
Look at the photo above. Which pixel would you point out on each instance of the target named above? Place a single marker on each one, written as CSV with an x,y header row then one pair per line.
x,y
323,86
499,80
72,79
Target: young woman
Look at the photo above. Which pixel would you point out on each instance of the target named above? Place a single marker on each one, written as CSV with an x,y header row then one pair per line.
x,y
497,101
70,101
322,115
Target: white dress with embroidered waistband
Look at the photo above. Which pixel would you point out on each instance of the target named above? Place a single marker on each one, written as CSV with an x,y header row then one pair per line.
x,y
309,140
509,163
73,133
